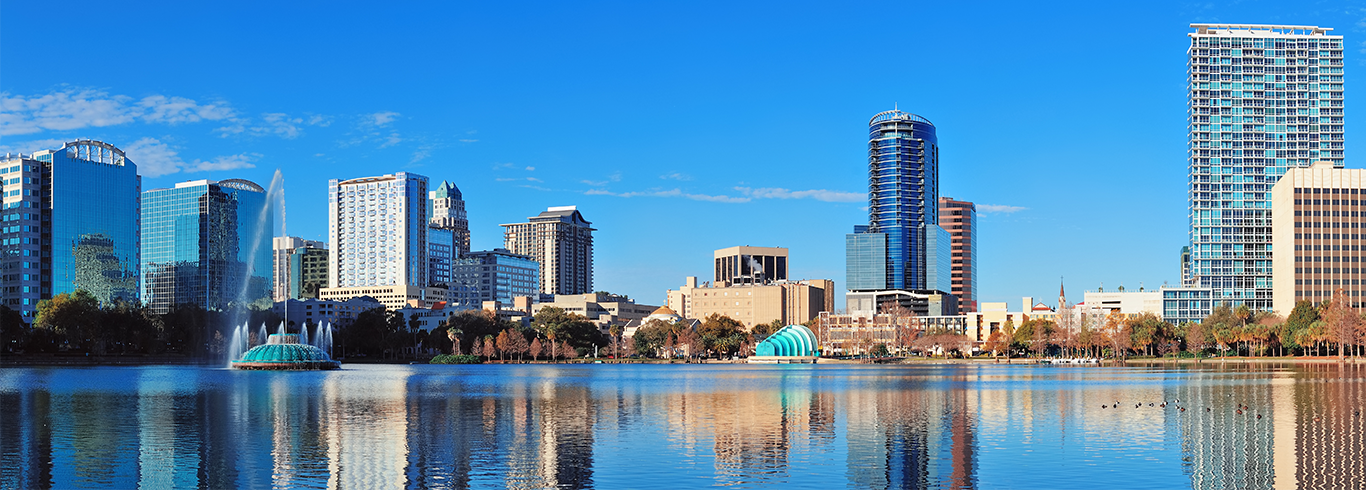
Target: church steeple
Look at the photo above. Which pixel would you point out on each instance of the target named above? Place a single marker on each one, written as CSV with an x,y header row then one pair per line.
x,y
1062,296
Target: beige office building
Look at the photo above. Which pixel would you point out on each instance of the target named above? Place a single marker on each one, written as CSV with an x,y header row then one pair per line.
x,y
1316,235
751,304
562,242
602,309
392,297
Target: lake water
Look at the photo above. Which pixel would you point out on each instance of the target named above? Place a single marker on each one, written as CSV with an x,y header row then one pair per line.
x,y
684,426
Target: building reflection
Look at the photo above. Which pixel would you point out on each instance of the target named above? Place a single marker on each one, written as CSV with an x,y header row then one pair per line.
x,y
541,427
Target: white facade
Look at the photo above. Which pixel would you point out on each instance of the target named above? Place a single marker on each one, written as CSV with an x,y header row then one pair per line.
x,y
1262,99
283,246
378,231
1124,302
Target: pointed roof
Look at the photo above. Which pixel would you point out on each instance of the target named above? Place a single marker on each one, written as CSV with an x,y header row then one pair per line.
x,y
446,190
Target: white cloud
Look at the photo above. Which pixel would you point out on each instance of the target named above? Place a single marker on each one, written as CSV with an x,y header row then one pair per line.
x,y
391,140
999,208
530,169
228,162
32,146
155,158
383,118
669,193
817,194
71,109
175,110
598,183
676,176
468,141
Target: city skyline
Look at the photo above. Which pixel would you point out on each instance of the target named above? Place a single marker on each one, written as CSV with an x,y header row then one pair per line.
x,y
1120,213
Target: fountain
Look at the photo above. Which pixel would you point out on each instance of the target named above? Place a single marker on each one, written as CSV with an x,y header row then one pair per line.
x,y
283,352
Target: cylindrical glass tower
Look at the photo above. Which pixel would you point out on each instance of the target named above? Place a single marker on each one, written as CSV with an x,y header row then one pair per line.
x,y
903,192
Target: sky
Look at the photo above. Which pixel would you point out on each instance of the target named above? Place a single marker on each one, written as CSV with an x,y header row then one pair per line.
x,y
675,128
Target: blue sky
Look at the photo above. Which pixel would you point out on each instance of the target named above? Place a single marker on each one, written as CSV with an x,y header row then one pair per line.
x,y
676,128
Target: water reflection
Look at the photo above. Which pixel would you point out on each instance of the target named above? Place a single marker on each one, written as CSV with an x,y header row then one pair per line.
x,y
671,427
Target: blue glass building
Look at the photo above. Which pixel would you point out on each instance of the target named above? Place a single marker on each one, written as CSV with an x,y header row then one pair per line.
x,y
902,247
69,221
493,275
207,243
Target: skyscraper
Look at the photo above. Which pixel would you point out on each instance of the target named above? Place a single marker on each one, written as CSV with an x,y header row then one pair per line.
x,y
284,247
207,243
562,242
69,220
902,248
1262,99
378,228
448,213
959,219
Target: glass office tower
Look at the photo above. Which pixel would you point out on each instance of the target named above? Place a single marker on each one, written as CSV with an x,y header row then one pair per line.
x,y
207,243
1261,99
903,210
69,221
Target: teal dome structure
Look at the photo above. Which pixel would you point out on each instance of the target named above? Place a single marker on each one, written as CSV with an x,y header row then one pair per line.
x,y
789,341
284,352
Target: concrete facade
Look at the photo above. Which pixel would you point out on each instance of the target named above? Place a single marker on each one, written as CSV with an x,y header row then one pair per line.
x,y
749,265
562,242
959,219
792,302
283,247
316,311
1317,235
392,297
604,310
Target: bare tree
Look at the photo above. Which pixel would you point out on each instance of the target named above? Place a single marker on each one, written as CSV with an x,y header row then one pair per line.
x,y
1342,321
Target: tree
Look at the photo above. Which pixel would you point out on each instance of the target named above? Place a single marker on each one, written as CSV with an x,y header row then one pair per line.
x,y
720,333
536,349
477,349
1197,338
571,328
615,330
763,330
471,326
504,343
1341,320
489,348
12,329
996,342
518,344
569,351
74,315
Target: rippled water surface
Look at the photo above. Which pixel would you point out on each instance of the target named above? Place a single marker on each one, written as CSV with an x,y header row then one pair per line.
x,y
673,426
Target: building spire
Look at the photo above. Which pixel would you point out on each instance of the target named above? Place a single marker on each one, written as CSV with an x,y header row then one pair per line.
x,y
1062,296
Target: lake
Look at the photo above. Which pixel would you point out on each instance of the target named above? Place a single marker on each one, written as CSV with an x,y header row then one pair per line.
x,y
686,426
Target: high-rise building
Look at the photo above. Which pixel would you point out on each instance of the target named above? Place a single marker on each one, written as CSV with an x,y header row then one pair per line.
x,y
441,251
69,221
959,219
207,243
562,242
448,213
284,247
493,275
902,248
1262,99
749,265
378,231
1317,234
307,272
